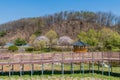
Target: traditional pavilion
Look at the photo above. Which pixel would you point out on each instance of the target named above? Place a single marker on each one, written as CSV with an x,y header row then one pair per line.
x,y
79,46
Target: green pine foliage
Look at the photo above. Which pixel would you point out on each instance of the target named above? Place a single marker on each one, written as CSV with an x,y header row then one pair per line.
x,y
20,42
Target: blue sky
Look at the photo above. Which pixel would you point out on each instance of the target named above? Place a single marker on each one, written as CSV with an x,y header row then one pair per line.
x,y
15,9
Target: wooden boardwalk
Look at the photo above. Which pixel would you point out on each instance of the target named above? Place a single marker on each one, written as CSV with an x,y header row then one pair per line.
x,y
23,59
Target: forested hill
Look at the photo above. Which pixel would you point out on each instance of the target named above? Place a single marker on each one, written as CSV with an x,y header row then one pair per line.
x,y
68,23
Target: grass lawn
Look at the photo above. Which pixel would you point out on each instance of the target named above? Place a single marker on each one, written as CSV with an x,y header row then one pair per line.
x,y
60,77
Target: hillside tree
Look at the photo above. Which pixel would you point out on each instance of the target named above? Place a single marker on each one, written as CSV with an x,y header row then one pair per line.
x,y
51,35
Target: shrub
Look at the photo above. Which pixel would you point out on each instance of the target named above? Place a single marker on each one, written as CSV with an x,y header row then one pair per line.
x,y
38,45
116,50
45,50
13,48
29,49
20,42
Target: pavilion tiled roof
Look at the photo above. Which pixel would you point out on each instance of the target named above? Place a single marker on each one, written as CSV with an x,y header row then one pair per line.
x,y
79,43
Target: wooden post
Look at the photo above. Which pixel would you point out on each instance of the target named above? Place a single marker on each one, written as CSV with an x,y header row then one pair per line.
x,y
62,64
80,67
72,68
42,58
111,63
102,65
102,69
21,70
92,63
32,69
83,63
98,66
119,57
42,68
12,69
111,67
83,68
52,68
89,67
53,63
80,61
109,70
31,65
93,67
2,69
62,68
9,70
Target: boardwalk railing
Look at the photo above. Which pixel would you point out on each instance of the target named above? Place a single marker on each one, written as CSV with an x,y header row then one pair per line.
x,y
57,57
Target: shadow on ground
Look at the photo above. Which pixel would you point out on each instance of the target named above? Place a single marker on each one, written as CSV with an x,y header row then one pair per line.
x,y
49,72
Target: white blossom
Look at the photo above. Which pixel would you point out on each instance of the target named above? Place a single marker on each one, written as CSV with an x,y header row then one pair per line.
x,y
41,38
65,40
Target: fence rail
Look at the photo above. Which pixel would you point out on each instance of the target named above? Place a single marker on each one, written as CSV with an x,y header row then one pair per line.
x,y
58,57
